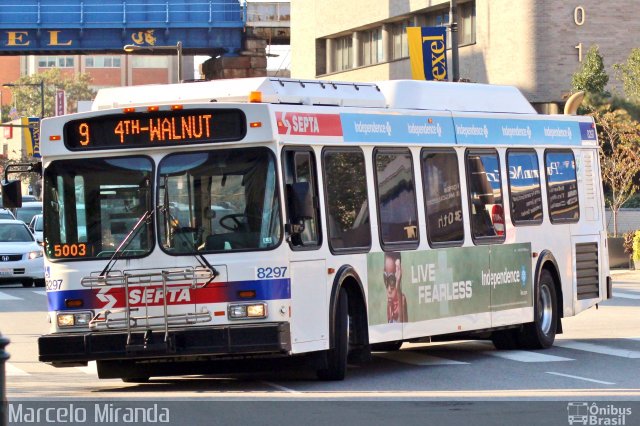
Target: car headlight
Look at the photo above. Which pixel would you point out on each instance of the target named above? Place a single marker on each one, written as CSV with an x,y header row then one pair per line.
x,y
34,254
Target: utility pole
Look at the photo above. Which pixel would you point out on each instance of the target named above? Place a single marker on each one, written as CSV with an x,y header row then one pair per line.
x,y
453,16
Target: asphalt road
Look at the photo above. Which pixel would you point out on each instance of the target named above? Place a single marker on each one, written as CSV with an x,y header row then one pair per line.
x,y
595,361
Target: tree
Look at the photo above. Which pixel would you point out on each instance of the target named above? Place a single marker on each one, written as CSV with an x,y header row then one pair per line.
x,y
28,98
591,77
619,138
629,74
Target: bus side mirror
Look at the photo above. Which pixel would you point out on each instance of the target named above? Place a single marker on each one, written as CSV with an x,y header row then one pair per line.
x,y
11,194
300,201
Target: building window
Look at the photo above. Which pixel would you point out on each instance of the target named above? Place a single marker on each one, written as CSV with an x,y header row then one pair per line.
x,y
343,53
147,61
372,46
102,62
399,46
56,62
466,22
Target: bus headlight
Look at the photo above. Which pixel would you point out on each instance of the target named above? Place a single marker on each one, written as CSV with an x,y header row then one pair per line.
x,y
76,319
247,311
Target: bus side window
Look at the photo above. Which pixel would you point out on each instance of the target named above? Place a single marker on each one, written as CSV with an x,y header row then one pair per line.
x,y
345,182
524,187
485,196
562,187
299,166
442,197
396,196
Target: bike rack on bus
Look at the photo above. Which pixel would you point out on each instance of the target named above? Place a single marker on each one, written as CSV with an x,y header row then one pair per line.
x,y
194,278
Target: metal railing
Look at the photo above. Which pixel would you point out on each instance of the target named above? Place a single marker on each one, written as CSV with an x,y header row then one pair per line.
x,y
138,318
71,13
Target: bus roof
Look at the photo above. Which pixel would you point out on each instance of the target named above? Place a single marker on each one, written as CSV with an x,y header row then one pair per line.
x,y
406,94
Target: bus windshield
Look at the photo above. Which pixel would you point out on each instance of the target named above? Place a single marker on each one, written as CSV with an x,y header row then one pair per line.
x,y
218,200
94,203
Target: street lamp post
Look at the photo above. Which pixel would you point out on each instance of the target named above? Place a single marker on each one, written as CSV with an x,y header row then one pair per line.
x,y
129,48
41,85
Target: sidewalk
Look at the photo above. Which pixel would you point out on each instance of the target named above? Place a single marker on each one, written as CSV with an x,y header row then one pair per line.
x,y
625,275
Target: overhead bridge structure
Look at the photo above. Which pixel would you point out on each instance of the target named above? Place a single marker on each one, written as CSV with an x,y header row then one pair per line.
x,y
204,27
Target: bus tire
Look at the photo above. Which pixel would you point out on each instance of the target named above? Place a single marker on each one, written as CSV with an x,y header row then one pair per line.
x,y
336,357
505,339
541,333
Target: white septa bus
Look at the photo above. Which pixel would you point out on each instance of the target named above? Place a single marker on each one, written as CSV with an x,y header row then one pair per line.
x,y
190,224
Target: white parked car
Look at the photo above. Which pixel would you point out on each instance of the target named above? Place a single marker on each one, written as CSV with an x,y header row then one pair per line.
x,y
36,226
6,214
20,255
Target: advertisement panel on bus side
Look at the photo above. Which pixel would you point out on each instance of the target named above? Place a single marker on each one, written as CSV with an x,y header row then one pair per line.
x,y
423,285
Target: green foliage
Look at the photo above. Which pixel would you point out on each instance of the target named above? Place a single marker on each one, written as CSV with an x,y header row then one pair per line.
x,y
627,244
591,77
636,246
629,74
28,98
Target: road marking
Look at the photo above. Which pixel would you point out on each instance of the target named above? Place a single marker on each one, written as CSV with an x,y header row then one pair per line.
x,y
279,387
91,368
626,295
5,296
527,356
599,349
40,292
12,370
580,378
417,358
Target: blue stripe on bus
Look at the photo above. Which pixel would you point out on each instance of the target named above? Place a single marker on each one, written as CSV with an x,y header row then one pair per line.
x,y
464,130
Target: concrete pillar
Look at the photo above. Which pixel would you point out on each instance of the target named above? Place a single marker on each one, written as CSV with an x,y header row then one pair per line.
x,y
357,49
386,43
330,55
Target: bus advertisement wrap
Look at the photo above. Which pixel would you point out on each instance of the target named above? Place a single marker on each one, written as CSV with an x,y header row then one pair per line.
x,y
424,285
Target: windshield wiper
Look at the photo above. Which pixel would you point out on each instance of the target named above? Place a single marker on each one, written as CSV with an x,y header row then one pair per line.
x,y
127,240
199,256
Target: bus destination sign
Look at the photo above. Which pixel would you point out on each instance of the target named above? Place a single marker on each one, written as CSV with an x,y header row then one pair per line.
x,y
159,128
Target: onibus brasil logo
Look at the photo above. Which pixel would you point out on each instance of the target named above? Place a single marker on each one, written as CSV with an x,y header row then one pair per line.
x,y
593,414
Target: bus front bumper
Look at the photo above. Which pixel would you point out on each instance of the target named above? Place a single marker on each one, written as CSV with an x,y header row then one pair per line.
x,y
228,340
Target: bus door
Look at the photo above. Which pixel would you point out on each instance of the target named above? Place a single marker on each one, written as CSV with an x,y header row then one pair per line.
x,y
308,272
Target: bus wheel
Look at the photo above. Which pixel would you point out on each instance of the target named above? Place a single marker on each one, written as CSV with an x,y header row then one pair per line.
x,y
387,346
505,339
336,357
541,333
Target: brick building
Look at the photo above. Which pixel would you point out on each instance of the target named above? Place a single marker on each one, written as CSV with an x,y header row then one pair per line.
x,y
535,45
105,70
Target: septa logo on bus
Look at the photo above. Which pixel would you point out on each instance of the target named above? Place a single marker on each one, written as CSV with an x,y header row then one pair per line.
x,y
297,123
